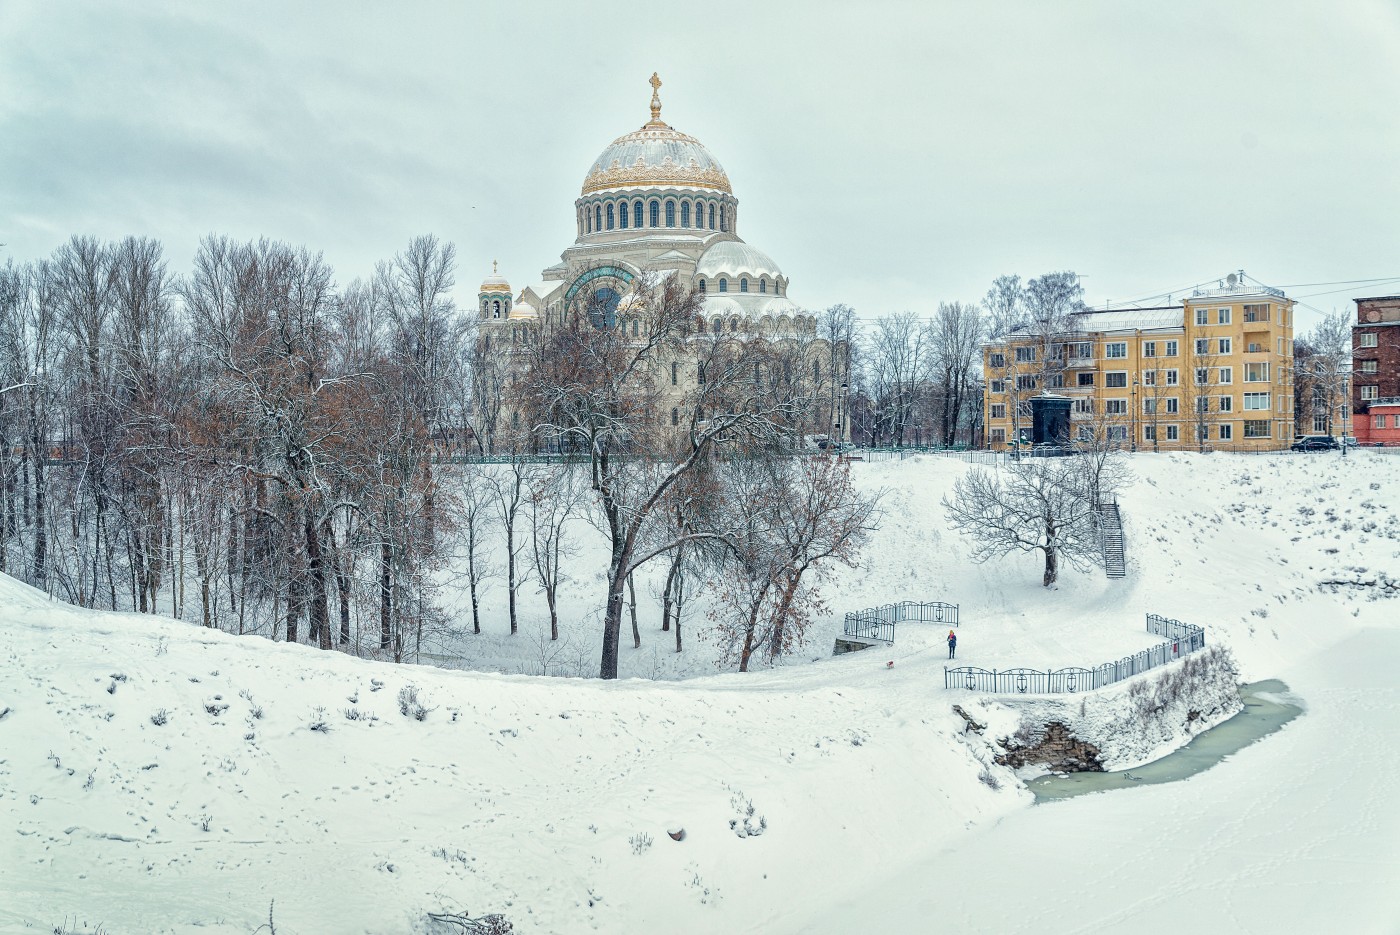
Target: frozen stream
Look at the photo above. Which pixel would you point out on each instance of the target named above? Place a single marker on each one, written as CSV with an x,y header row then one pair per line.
x,y
1267,707
1299,834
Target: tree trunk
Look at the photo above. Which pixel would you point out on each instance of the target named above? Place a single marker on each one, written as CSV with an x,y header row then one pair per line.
x,y
748,640
632,605
1052,565
385,596
666,592
510,574
342,581
612,615
316,570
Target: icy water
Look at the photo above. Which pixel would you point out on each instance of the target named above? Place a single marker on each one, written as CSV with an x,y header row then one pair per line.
x,y
1267,707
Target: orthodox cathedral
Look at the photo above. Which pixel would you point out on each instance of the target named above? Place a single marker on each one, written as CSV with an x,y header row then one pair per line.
x,y
654,201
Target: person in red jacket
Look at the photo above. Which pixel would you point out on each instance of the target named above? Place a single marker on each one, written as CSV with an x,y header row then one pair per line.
x,y
952,645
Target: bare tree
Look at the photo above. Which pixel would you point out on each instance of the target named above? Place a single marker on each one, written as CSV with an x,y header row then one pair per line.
x,y
898,364
955,339
1324,366
554,497
1037,505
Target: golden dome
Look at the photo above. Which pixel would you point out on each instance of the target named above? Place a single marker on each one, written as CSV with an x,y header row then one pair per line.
x,y
655,155
495,283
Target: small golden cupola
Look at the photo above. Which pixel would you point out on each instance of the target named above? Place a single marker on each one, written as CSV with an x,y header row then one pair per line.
x,y
494,296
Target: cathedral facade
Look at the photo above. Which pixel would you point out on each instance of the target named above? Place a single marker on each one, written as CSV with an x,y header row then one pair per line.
x,y
657,202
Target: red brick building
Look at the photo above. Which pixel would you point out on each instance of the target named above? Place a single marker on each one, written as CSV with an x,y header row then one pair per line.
x,y
1375,387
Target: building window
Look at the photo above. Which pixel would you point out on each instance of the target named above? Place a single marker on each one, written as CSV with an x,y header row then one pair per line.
x,y
1370,392
700,376
1026,383
675,372
1202,376
723,222
636,214
1149,433
999,436
610,217
1256,373
1086,379
598,218
1149,349
998,360
655,213
734,323
1115,407
723,284
712,217
762,285
636,325
1202,404
743,284
1171,377
1173,407
1224,346
1227,432
1171,349
1149,407
1025,355
1368,339
1084,407
702,285
675,416
1116,349
1320,422
622,215
685,214
998,410
700,324
997,386
670,213
1222,316
1226,375
1149,378
1117,379
1202,346
1057,381
1256,313
717,326
1257,428
496,309
588,220
1256,401
1173,433
1225,404
1369,366
1202,316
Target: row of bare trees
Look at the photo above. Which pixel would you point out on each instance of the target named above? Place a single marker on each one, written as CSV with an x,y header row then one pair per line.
x,y
254,447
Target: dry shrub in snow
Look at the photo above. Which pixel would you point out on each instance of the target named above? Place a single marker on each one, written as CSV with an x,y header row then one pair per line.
x,y
410,705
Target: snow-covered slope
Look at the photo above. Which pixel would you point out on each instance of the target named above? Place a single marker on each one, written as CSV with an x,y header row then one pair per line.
x,y
160,778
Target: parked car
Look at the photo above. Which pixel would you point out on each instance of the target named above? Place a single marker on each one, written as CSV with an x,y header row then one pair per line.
x,y
1316,443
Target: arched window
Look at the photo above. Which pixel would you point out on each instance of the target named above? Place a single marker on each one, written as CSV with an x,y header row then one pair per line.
x,y
700,325
744,284
763,284
636,327
485,307
496,308
598,218
655,213
588,220
670,213
515,420
610,216
622,215
722,224
734,323
699,215
723,284
675,416
712,217
718,326
702,285
636,214
685,214
675,372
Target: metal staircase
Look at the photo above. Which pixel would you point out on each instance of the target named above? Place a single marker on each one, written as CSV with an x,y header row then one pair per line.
x,y
1111,539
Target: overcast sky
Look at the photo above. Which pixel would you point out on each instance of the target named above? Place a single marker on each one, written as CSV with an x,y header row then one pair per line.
x,y
890,156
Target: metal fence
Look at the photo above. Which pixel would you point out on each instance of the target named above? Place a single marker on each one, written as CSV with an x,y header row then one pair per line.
x,y
1181,639
969,456
878,623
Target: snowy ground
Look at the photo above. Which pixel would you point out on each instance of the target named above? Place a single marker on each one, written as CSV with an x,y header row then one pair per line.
x,y
531,797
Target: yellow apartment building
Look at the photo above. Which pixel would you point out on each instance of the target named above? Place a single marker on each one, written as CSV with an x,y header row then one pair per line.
x,y
1213,372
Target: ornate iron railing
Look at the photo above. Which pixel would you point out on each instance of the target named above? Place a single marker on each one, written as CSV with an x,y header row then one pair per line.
x,y
878,623
1181,639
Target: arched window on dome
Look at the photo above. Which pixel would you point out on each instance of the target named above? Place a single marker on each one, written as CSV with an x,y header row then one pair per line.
x,y
699,215
723,225
670,213
717,326
587,221
734,323
610,216
685,214
622,215
712,216
723,284
702,285
744,284
636,214
496,309
763,284
598,218
655,213
485,307
636,327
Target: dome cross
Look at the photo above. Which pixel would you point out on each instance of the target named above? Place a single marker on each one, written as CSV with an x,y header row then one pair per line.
x,y
655,83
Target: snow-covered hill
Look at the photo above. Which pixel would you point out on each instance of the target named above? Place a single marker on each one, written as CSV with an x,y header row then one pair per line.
x,y
162,778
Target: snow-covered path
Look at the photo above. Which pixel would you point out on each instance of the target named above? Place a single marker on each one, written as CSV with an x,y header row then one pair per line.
x,y
1297,833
